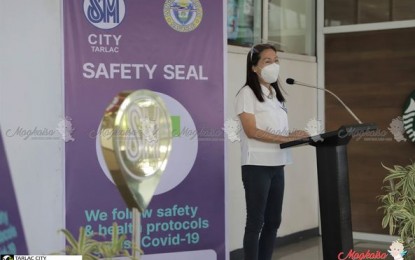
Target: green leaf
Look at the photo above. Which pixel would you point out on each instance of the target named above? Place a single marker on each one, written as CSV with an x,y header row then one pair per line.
x,y
71,240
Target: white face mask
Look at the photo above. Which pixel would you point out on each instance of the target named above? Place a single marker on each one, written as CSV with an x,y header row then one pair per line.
x,y
270,73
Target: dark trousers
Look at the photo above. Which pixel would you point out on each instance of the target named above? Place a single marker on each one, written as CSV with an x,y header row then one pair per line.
x,y
264,192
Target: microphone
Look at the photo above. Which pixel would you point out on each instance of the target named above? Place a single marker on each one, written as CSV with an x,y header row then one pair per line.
x,y
291,81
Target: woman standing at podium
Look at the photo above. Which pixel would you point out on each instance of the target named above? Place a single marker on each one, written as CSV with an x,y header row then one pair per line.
x,y
260,106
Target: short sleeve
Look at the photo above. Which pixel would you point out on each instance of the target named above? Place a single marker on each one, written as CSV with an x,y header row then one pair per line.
x,y
245,101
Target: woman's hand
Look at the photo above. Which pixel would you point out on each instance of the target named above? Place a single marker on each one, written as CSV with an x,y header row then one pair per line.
x,y
297,135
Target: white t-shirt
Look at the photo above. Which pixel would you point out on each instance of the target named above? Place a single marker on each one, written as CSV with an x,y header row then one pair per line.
x,y
270,116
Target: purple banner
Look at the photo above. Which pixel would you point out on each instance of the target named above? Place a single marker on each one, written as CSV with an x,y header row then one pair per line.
x,y
12,238
176,49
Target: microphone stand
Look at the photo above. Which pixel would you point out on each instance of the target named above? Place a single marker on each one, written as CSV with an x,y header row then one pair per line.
x,y
292,81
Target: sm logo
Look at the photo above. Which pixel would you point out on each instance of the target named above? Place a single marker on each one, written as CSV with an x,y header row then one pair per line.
x,y
104,14
409,116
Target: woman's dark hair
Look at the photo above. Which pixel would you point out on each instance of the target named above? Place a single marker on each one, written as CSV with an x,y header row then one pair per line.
x,y
252,78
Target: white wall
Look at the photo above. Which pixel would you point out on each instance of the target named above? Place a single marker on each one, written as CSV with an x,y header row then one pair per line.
x,y
300,211
31,96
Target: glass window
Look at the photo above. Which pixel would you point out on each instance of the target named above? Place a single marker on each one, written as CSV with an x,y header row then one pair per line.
x,y
344,12
339,12
403,10
244,22
373,11
291,25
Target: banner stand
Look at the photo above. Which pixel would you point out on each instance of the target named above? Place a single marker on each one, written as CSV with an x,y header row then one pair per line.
x,y
136,236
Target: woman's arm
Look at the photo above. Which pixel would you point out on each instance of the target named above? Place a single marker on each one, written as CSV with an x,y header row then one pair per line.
x,y
249,125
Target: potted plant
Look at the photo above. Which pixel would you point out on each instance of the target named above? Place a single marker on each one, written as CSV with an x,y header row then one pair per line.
x,y
398,204
92,249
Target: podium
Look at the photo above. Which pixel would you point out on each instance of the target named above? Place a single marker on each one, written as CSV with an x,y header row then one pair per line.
x,y
333,186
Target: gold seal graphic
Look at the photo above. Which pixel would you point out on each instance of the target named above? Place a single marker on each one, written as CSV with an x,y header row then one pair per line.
x,y
137,144
183,15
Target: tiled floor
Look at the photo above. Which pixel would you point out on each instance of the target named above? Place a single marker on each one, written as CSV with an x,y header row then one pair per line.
x,y
311,249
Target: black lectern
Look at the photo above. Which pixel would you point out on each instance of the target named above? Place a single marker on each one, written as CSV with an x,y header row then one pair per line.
x,y
333,186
